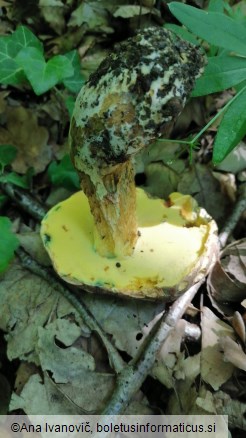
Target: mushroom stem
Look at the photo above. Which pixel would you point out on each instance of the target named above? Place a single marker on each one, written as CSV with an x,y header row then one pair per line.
x,y
115,231
133,98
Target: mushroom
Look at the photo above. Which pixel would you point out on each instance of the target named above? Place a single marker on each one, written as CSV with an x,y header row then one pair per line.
x,y
111,236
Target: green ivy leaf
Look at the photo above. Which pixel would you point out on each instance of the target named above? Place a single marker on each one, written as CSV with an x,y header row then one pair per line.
x,y
10,72
43,75
7,154
232,128
8,243
214,27
75,82
221,72
23,37
63,174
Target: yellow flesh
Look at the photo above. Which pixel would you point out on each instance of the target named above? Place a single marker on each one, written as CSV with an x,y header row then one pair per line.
x,y
165,253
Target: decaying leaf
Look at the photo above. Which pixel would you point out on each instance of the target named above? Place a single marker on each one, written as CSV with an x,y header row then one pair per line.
x,y
233,352
65,364
235,409
199,182
127,321
214,370
170,358
238,324
27,302
42,398
227,279
53,12
129,11
23,131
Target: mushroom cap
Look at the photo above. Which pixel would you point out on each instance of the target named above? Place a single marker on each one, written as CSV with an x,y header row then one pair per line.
x,y
177,245
133,98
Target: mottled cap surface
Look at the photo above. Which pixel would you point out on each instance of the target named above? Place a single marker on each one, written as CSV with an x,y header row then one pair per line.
x,y
136,93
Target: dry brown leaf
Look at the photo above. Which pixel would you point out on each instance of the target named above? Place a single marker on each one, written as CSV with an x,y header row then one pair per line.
x,y
23,131
233,352
170,358
227,280
214,370
203,186
235,409
239,325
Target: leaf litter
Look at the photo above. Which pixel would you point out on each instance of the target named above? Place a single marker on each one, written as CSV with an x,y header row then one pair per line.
x,y
62,365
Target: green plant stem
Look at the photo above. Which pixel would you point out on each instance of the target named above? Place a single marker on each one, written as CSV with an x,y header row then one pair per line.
x,y
192,142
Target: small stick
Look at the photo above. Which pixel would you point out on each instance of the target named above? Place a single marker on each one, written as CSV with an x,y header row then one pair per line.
x,y
233,219
25,201
133,375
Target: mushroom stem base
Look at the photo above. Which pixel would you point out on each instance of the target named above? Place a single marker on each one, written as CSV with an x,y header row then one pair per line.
x,y
115,232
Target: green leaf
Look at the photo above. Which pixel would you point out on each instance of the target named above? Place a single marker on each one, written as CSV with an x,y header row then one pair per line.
x,y
3,200
23,37
41,75
8,243
63,174
75,82
214,27
232,128
182,33
70,103
10,72
220,73
216,6
7,154
17,180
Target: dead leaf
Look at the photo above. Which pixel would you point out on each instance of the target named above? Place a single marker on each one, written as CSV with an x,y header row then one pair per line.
x,y
65,364
203,186
233,352
170,358
235,161
214,370
54,12
42,397
24,132
238,325
93,15
127,321
227,280
206,402
129,11
235,409
33,245
27,302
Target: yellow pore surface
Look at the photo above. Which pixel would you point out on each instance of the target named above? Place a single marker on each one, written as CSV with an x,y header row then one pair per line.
x,y
172,238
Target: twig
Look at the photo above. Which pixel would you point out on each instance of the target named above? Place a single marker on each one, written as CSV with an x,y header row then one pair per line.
x,y
192,332
116,361
233,219
133,375
25,201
